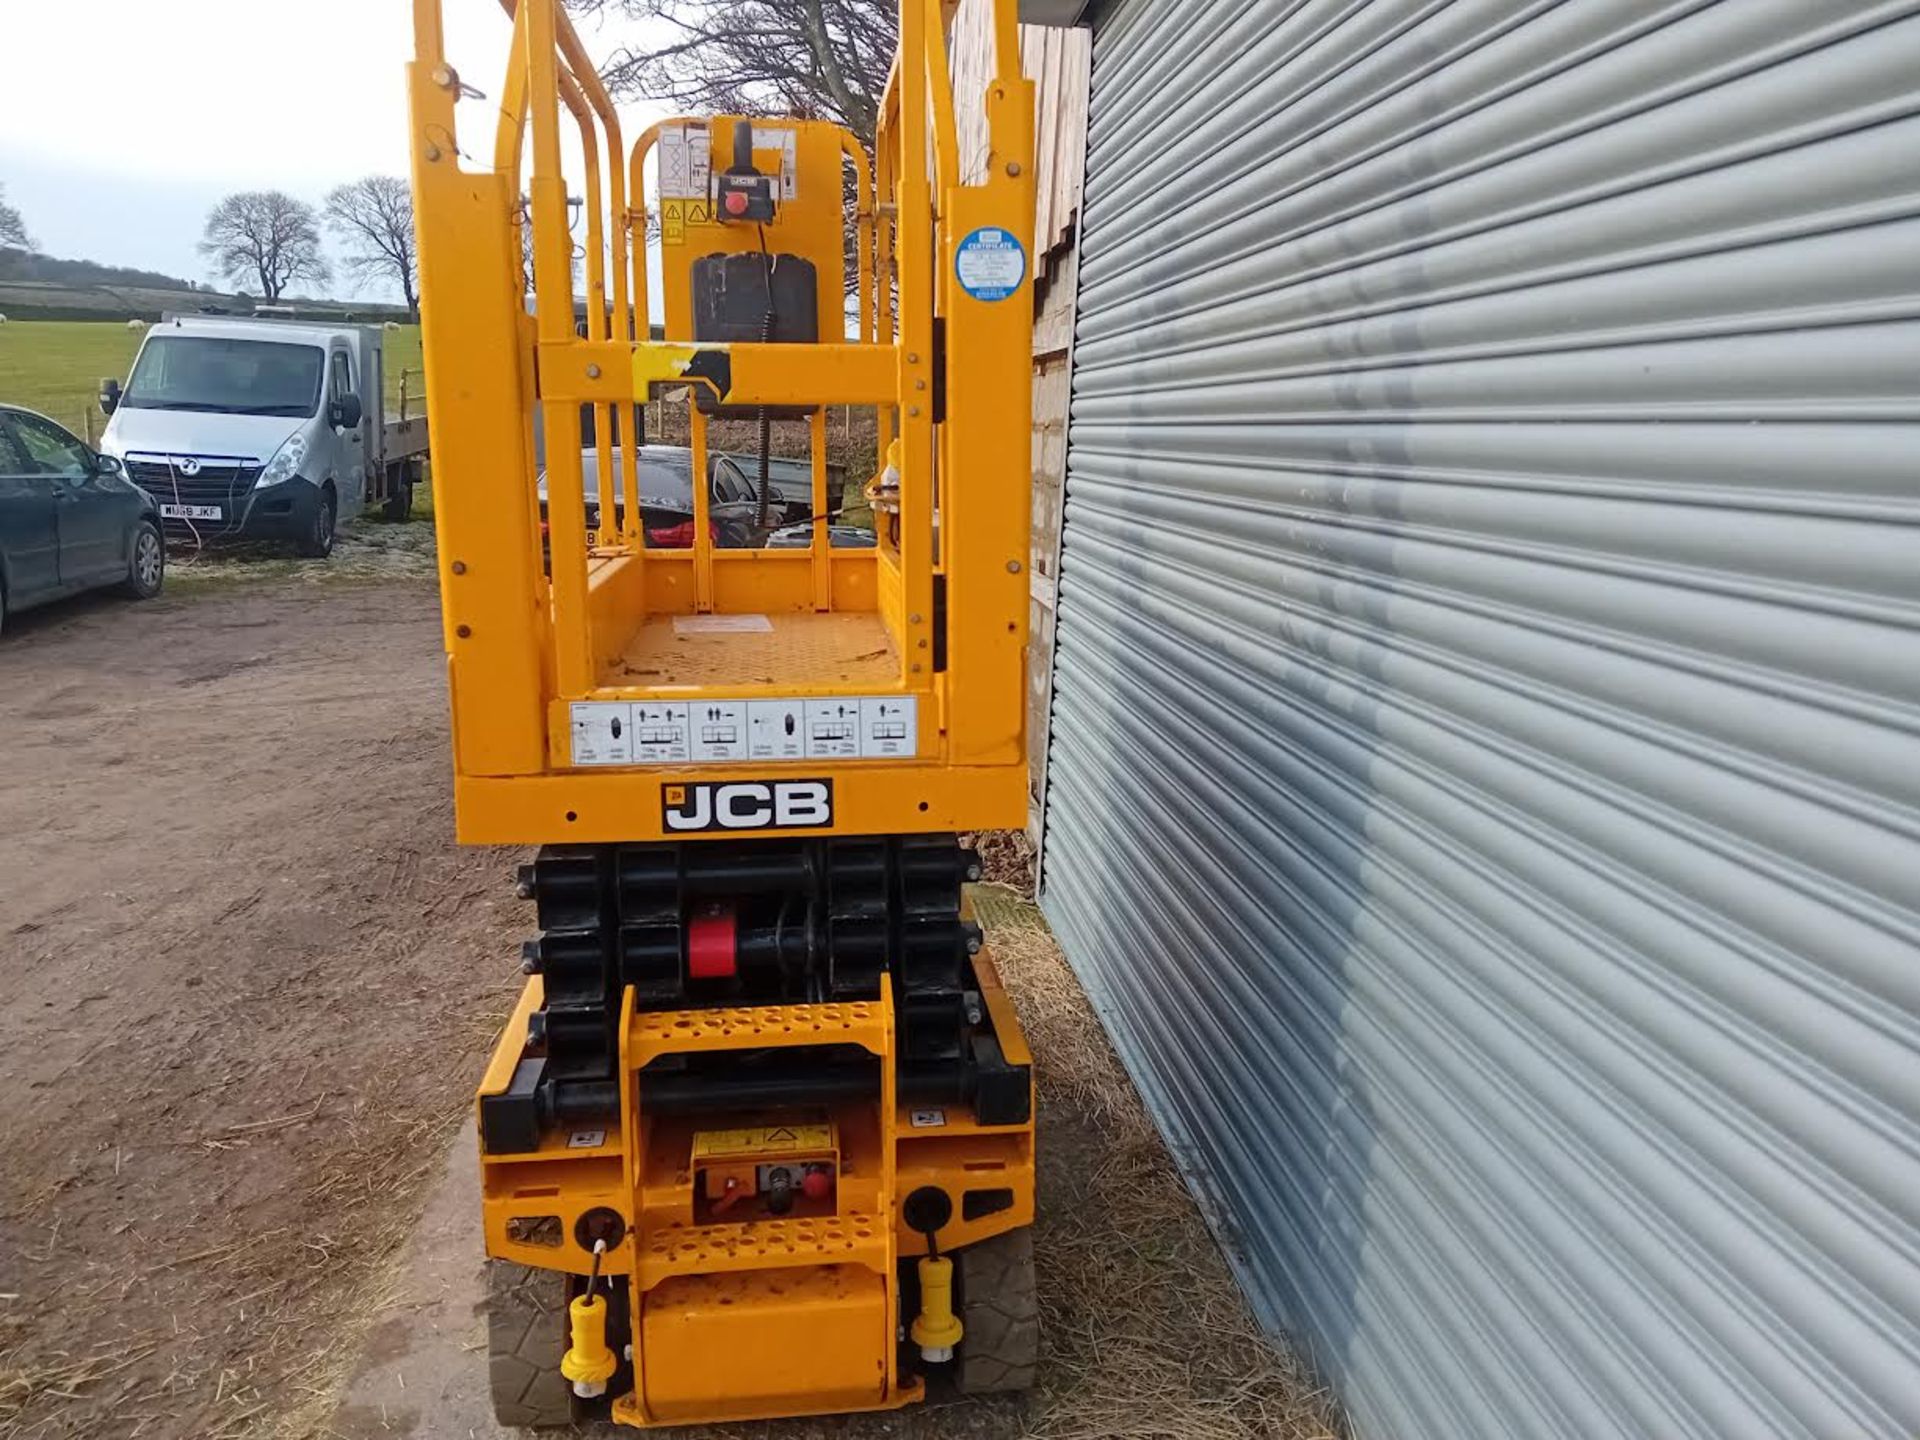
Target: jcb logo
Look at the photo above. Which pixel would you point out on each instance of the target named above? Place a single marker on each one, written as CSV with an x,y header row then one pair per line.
x,y
748,805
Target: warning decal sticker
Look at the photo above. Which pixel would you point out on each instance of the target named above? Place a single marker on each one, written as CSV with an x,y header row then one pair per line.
x,y
677,215
780,1139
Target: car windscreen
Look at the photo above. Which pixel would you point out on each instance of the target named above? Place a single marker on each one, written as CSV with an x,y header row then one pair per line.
x,y
227,377
665,479
661,482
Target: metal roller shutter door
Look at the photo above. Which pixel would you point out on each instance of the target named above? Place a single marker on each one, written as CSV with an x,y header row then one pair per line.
x,y
1484,789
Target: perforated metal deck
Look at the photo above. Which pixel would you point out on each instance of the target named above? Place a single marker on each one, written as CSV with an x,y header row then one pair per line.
x,y
866,1023
852,1239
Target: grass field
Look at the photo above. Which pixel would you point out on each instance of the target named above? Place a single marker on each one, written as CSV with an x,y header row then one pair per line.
x,y
55,366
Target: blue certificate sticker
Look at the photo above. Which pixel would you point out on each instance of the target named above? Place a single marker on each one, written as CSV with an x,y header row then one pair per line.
x,y
990,264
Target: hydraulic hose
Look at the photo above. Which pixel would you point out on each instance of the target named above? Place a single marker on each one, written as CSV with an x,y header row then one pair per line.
x,y
767,323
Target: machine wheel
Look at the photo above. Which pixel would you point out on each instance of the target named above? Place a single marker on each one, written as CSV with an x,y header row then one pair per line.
x,y
147,566
400,492
526,1336
317,543
1000,1310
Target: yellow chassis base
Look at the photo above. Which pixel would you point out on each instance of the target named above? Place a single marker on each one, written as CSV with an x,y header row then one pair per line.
x,y
767,1317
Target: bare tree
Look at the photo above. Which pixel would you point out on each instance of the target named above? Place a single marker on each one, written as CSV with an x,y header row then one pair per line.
x,y
373,217
13,230
266,236
826,59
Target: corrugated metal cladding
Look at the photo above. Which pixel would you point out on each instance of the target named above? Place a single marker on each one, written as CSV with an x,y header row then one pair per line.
x,y
1485,788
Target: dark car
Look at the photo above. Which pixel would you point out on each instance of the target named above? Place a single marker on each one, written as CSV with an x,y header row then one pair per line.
x,y
666,497
789,483
70,519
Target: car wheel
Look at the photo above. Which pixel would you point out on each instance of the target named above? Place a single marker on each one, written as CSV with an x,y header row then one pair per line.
x,y
317,543
147,565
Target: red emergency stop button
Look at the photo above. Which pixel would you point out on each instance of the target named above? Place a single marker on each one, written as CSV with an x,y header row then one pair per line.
x,y
736,202
817,1183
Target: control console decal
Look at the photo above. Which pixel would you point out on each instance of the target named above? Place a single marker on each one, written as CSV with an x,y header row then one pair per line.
x,y
707,732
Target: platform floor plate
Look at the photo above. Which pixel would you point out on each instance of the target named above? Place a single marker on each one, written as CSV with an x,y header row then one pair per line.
x,y
796,652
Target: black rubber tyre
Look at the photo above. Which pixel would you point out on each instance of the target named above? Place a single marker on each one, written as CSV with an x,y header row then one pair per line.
x,y
1000,1312
147,564
400,493
317,543
526,1336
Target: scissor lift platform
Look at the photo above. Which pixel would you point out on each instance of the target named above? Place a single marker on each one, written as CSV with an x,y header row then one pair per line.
x,y
761,1126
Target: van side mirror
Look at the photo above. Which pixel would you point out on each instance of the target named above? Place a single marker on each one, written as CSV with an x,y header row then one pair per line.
x,y
109,395
345,412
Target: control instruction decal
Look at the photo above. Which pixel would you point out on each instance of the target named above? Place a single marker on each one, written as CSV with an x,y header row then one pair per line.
x,y
864,727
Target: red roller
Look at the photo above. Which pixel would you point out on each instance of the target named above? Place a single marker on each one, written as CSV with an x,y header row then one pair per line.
x,y
711,950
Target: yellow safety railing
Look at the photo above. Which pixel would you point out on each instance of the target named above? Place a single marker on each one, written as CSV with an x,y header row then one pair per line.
x,y
531,627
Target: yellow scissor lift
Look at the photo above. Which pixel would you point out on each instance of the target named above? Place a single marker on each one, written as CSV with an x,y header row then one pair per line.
x,y
758,1138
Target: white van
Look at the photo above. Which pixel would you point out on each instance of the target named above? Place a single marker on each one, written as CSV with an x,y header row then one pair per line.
x,y
261,429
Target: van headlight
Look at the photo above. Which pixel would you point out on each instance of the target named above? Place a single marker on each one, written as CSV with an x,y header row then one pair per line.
x,y
285,463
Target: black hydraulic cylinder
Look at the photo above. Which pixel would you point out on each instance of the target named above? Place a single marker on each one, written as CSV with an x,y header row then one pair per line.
x,y
750,872
577,1100
689,1094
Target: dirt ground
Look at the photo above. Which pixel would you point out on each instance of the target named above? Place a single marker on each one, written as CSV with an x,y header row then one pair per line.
x,y
246,982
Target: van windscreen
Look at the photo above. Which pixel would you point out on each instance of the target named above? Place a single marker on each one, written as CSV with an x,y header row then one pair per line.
x,y
228,377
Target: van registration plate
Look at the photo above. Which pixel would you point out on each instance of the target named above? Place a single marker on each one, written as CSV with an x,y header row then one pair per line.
x,y
191,512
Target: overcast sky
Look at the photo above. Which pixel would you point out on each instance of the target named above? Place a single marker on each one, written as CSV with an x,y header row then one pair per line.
x,y
148,111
